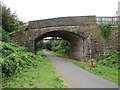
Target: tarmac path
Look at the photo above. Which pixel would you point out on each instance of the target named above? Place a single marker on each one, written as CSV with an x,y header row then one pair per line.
x,y
77,77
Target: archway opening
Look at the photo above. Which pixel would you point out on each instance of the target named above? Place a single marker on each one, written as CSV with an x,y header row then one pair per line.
x,y
76,42
55,45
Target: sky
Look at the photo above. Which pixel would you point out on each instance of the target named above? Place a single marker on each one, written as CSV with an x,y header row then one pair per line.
x,y
28,10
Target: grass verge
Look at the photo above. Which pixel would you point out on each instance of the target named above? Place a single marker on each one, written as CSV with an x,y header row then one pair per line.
x,y
111,74
58,54
42,76
40,52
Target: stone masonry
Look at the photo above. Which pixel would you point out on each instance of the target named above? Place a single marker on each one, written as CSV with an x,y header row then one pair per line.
x,y
84,35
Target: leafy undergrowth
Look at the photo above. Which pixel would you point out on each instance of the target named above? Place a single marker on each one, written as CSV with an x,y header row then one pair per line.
x,y
109,73
22,69
42,76
16,58
110,60
58,54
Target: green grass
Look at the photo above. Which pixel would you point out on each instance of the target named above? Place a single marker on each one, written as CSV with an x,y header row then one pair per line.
x,y
105,72
40,52
42,76
22,69
112,24
58,54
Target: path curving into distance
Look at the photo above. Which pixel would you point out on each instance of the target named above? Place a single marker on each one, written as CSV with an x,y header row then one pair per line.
x,y
77,77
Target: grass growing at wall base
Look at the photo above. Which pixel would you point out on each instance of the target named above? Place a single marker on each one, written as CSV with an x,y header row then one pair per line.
x,y
42,76
105,72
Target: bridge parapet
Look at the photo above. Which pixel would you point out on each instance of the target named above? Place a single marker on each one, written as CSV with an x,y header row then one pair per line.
x,y
63,21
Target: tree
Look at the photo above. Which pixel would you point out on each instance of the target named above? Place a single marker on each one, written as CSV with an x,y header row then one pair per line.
x,y
9,20
40,45
57,45
48,45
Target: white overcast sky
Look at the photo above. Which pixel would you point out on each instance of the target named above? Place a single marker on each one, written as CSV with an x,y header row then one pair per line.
x,y
28,10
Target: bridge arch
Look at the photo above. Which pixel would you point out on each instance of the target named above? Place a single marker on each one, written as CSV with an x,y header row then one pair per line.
x,y
75,40
82,33
76,36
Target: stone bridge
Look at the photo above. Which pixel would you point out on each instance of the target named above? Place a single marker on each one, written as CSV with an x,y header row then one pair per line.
x,y
82,32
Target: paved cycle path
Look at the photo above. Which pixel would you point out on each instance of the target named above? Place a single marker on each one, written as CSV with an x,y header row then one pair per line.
x,y
77,77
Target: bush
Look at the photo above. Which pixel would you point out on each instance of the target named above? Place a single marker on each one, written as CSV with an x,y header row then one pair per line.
x,y
10,47
4,36
110,60
15,58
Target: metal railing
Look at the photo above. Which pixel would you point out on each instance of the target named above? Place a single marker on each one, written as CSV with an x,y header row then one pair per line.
x,y
113,20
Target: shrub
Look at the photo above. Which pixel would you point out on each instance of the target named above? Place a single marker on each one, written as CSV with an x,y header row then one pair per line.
x,y
4,35
110,60
15,58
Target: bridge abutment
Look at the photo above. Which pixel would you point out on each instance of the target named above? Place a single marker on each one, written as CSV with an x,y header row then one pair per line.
x,y
82,33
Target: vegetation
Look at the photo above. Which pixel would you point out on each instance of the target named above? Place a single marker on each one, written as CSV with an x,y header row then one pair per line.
x,y
58,54
115,24
107,67
9,20
4,35
105,30
22,69
42,76
58,46
110,60
20,28
15,58
40,45
40,52
27,70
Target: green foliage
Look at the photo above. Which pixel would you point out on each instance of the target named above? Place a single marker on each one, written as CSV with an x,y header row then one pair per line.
x,y
15,58
4,35
48,45
9,48
105,72
62,47
110,60
58,54
27,70
58,46
80,64
44,75
105,30
40,52
107,66
20,28
9,20
40,45
115,24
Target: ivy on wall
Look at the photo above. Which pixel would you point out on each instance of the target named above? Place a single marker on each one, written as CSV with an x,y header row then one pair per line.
x,y
105,30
